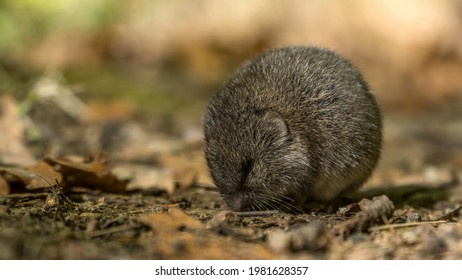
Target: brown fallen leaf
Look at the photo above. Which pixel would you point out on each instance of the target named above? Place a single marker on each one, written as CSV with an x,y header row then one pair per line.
x,y
173,221
45,176
98,164
188,168
4,186
144,177
95,174
40,175
179,236
12,149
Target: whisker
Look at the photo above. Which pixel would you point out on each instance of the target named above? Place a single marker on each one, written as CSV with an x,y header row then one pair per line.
x,y
272,204
291,208
267,205
276,201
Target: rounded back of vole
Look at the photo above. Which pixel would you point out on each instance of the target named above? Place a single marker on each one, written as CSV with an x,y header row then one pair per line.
x,y
293,123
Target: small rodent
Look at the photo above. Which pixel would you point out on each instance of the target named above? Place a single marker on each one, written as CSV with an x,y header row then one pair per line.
x,y
294,124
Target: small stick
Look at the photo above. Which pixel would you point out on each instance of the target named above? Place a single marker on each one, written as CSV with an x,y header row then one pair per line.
x,y
412,224
256,213
450,214
111,230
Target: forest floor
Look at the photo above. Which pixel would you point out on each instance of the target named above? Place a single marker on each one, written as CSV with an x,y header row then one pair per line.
x,y
146,195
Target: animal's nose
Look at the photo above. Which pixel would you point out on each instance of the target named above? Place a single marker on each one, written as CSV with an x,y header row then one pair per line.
x,y
238,202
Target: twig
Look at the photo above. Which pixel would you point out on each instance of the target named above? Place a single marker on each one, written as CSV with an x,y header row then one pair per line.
x,y
403,225
450,214
23,196
256,213
112,230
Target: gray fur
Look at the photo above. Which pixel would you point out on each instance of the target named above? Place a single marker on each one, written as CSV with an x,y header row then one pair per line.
x,y
294,123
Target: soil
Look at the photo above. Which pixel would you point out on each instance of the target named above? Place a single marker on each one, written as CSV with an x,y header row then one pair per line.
x,y
71,207
193,223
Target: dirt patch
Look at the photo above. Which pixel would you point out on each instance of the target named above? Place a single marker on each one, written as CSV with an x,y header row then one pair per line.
x,y
148,196
193,223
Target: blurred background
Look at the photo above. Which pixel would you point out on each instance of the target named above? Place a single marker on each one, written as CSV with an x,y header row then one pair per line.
x,y
158,62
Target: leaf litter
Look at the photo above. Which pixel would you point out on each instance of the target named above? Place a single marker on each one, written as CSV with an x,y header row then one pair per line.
x,y
148,196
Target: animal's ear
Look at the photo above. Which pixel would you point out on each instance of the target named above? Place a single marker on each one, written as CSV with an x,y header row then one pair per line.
x,y
277,121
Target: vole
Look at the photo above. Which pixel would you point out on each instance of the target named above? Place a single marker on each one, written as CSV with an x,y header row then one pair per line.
x,y
293,124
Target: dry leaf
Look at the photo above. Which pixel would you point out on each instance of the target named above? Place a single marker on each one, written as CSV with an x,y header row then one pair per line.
x,y
16,174
174,220
12,150
45,176
143,176
99,165
4,186
41,175
95,174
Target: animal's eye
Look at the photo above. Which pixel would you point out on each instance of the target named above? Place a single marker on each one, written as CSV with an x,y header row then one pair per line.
x,y
246,167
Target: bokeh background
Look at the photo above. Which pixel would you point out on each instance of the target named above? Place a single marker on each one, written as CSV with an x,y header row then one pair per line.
x,y
159,61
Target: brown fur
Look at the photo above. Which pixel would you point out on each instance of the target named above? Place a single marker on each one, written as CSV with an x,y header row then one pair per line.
x,y
294,123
